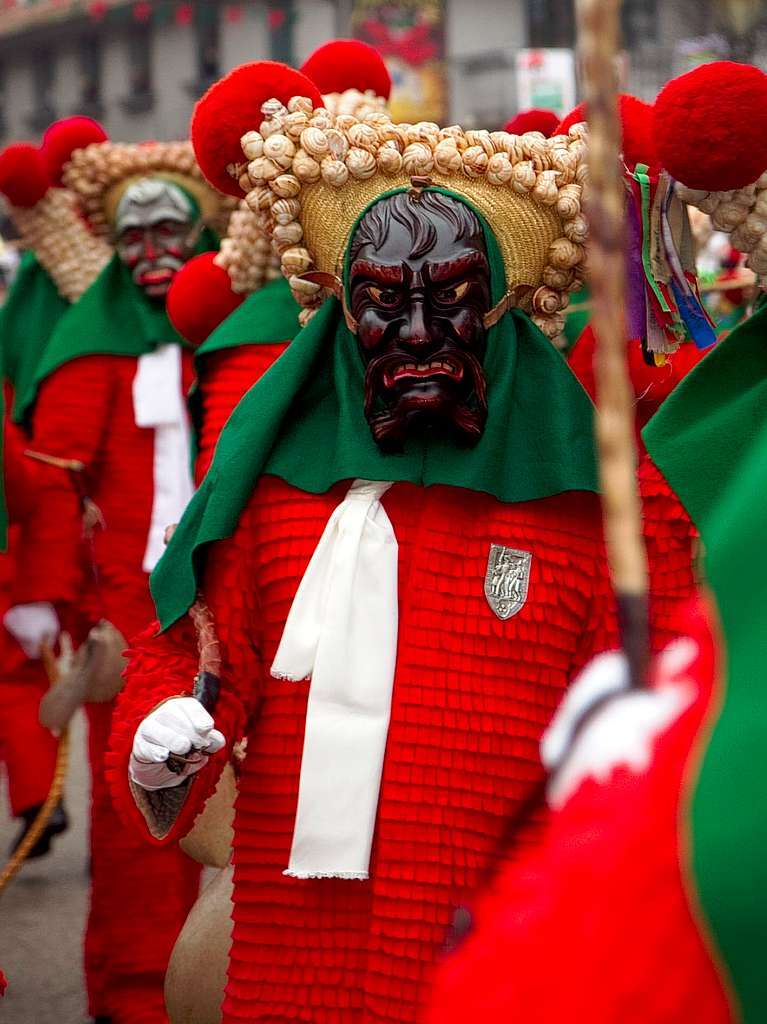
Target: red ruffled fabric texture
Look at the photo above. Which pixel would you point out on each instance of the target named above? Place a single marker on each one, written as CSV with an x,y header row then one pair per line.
x,y
652,384
603,902
224,377
139,897
472,695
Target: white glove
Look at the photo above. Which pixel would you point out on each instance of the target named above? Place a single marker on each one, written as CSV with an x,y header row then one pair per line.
x,y
33,625
623,730
178,726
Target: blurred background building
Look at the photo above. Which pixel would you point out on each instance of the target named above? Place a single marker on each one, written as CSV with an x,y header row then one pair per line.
x,y
139,65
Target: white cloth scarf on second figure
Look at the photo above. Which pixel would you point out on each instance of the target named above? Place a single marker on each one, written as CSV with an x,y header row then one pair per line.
x,y
158,403
341,633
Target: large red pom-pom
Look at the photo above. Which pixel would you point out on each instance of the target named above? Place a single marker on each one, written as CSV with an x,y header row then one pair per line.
x,y
200,298
232,107
535,120
637,129
23,175
64,137
711,126
348,64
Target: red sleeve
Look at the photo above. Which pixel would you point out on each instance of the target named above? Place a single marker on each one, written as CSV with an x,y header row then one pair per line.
x,y
224,378
670,539
595,924
164,666
70,422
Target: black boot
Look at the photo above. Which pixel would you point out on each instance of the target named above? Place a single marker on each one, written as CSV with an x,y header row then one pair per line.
x,y
57,823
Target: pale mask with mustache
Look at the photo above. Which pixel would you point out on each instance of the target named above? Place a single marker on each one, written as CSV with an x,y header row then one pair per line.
x,y
156,228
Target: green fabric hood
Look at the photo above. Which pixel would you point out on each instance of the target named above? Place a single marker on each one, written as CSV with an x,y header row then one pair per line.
x,y
707,425
113,317
28,318
304,422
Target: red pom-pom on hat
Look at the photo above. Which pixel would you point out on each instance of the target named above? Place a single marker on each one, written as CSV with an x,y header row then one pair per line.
x,y
64,137
232,107
576,115
637,129
535,120
345,64
711,126
23,175
200,298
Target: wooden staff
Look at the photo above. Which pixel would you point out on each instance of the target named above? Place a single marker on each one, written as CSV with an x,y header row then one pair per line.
x,y
598,46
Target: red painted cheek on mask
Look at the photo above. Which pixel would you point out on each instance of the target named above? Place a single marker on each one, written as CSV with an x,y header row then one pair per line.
x,y
132,258
466,325
174,249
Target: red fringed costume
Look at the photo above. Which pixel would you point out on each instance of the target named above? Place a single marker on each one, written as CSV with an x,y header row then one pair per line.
x,y
87,409
125,961
652,384
26,748
223,379
472,688
604,898
472,695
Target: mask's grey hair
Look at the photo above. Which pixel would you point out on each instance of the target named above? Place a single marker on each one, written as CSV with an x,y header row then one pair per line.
x,y
408,211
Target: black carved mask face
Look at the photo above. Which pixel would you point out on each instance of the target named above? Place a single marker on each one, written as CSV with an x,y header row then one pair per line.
x,y
420,286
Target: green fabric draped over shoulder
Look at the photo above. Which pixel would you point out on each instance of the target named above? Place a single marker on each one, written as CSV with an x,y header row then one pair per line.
x,y
28,318
710,440
268,316
707,425
113,317
304,422
728,824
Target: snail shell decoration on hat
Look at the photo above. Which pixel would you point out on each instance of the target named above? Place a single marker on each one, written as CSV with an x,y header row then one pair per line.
x,y
264,131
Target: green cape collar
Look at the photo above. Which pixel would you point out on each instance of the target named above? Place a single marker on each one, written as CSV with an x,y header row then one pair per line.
x,y
304,422
707,425
27,320
267,316
113,317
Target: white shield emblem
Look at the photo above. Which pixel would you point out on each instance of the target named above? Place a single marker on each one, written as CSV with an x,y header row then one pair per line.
x,y
507,579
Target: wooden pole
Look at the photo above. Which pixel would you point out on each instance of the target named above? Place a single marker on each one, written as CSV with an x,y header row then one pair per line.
x,y
598,46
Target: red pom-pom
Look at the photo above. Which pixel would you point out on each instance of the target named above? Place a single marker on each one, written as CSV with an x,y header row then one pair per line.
x,y
64,137
535,120
711,126
576,115
200,298
232,107
637,129
348,64
23,175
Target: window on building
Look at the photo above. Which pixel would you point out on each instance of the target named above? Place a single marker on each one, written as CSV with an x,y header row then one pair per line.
x,y
140,97
207,35
43,84
551,22
90,57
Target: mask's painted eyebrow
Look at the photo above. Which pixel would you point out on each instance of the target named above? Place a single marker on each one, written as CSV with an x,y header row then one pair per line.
x,y
383,273
451,270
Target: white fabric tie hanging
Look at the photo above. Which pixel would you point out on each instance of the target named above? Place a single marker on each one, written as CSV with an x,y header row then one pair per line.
x,y
342,633
158,403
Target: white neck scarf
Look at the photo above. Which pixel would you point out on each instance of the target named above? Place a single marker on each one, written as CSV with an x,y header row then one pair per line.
x,y
158,403
342,633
